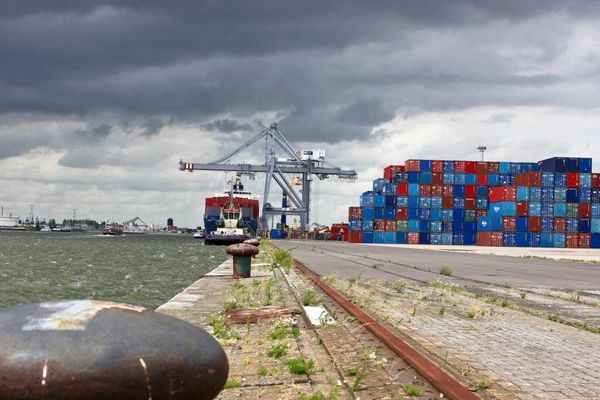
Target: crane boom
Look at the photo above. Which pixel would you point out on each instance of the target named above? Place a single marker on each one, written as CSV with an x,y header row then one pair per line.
x,y
275,169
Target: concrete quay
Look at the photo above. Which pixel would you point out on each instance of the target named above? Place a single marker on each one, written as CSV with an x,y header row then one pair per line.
x,y
525,328
346,361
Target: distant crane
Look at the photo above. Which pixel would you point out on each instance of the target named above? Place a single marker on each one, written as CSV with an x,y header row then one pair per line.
x,y
302,165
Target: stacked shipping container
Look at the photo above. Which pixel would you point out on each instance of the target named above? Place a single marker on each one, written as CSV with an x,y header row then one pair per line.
x,y
555,202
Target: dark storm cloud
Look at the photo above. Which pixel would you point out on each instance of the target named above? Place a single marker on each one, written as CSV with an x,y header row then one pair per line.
x,y
227,125
333,70
366,112
96,133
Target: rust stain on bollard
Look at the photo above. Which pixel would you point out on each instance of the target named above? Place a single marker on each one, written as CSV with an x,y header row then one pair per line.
x,y
101,350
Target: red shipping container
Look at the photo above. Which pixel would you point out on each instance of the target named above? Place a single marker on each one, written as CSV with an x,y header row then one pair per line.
x,y
585,210
413,237
573,179
448,190
437,178
448,202
497,239
437,190
535,224
560,225
522,208
390,170
424,190
481,213
412,165
437,166
482,167
355,237
402,189
390,226
490,239
482,179
460,166
596,181
484,238
354,213
509,224
493,167
534,179
470,203
379,225
471,167
572,240
584,240
470,190
503,193
402,213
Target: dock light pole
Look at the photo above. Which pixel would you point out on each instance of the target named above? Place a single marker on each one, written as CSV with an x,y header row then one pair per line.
x,y
482,150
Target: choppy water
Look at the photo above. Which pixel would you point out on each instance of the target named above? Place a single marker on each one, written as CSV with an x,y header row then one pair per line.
x,y
145,270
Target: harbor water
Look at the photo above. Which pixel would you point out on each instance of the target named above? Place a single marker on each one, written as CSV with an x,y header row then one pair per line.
x,y
145,270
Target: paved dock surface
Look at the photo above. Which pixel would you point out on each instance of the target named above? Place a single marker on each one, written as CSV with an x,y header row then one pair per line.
x,y
393,262
497,320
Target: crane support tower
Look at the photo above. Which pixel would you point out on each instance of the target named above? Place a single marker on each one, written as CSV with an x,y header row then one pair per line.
x,y
305,164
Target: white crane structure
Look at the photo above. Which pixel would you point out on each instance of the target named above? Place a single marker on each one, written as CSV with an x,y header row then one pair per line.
x,y
306,164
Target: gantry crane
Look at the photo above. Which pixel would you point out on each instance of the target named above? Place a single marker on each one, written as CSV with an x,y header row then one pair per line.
x,y
305,164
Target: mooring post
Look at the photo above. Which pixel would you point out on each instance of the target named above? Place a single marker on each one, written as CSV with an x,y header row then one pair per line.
x,y
242,258
86,349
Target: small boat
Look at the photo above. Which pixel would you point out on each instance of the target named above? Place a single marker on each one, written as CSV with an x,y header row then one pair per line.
x,y
199,234
113,229
45,228
231,228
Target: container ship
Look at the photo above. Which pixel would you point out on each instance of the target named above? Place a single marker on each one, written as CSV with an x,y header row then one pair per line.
x,y
242,199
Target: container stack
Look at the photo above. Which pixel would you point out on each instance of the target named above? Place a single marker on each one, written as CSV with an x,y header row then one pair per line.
x,y
554,202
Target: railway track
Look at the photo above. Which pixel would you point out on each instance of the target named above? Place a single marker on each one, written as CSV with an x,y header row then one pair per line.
x,y
433,373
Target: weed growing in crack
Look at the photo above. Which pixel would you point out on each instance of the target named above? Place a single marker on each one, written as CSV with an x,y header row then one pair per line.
x,y
483,385
471,313
278,350
412,390
231,384
301,367
309,298
445,270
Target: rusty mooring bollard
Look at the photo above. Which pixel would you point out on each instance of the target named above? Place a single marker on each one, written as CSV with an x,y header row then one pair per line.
x,y
242,262
85,349
254,242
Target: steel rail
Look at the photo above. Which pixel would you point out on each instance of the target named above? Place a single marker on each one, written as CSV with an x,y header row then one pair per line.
x,y
440,379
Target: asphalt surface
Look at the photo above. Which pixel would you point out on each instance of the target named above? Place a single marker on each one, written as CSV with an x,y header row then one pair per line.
x,y
350,260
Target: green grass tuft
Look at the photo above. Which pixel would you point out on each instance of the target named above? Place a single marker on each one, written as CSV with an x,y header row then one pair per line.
x,y
301,367
278,350
412,390
445,270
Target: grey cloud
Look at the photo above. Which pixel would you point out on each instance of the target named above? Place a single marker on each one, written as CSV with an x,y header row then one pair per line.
x,y
227,125
366,112
499,118
96,133
152,127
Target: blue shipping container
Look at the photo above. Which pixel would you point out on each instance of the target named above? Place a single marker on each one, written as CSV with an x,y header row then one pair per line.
x,y
459,178
446,238
448,166
535,209
426,178
448,178
522,193
560,209
522,224
489,223
509,239
425,165
367,237
482,191
595,241
413,177
585,165
558,240
503,208
402,201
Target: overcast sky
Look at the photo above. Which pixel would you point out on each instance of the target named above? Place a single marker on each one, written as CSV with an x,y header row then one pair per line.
x,y
99,100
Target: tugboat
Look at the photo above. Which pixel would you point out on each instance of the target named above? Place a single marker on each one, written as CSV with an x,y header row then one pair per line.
x,y
231,228
113,229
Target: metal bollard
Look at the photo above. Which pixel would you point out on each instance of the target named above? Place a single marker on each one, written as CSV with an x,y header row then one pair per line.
x,y
242,262
86,349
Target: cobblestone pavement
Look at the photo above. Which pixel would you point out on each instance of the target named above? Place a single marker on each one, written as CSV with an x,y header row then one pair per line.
x,y
519,355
